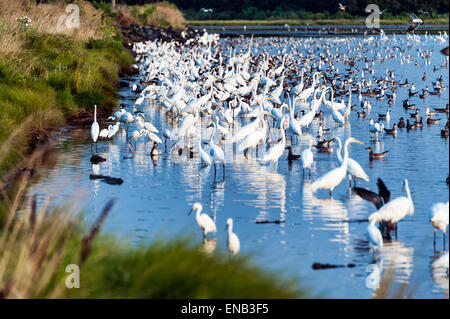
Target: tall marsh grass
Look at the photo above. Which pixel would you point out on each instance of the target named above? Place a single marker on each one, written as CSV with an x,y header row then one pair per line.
x,y
158,14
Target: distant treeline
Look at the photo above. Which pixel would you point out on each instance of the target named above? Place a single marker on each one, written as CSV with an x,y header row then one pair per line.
x,y
298,9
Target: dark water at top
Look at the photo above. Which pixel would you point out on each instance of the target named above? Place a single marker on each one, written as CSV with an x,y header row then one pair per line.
x,y
155,197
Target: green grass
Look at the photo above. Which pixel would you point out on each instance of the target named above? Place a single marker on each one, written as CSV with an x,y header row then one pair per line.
x,y
55,72
393,21
176,270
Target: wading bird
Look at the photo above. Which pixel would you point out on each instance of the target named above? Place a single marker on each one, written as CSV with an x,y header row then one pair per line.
x,y
203,220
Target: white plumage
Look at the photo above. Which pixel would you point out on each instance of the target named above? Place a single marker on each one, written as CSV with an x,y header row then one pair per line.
x,y
234,244
334,177
373,233
353,167
203,220
396,209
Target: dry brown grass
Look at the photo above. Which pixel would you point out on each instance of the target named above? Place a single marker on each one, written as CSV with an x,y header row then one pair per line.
x,y
45,18
125,15
161,14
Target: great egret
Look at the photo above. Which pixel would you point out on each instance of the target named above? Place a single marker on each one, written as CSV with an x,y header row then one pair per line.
x,y
354,169
95,129
253,139
203,220
307,158
334,177
216,152
373,233
277,150
204,157
233,240
396,209
439,219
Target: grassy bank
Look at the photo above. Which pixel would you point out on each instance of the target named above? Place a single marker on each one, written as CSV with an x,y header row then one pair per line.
x,y
394,21
49,71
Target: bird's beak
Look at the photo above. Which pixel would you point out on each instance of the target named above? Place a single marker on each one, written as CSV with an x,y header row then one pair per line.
x,y
270,115
367,148
190,211
356,141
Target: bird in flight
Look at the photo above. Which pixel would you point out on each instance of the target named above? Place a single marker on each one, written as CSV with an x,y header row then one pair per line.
x,y
415,23
341,7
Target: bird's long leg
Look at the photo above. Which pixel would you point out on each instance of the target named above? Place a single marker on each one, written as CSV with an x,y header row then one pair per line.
x,y
331,193
396,227
444,241
214,171
96,148
92,145
223,170
434,240
309,169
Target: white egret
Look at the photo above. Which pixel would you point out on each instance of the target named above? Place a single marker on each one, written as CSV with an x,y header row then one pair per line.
x,y
95,129
277,150
373,233
216,152
105,132
253,139
354,169
396,209
204,157
334,177
234,244
203,220
439,218
307,158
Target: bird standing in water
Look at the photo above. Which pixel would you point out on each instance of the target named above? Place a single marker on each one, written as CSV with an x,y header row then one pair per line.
x,y
234,244
95,129
203,220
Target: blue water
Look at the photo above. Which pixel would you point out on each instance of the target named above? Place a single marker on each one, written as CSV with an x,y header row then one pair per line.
x,y
154,200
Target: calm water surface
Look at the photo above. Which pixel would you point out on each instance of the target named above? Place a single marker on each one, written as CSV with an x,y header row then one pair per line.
x,y
155,197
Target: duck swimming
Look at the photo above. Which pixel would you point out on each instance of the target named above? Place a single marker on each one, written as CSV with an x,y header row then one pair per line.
x,y
392,131
325,146
376,156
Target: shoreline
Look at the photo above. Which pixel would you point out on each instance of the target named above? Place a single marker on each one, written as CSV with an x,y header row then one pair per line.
x,y
310,22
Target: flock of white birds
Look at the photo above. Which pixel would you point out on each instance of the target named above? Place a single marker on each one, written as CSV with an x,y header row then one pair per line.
x,y
205,80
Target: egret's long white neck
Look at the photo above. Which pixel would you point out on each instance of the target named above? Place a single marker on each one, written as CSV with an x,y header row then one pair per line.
x,y
345,161
408,193
95,112
230,228
338,153
211,140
